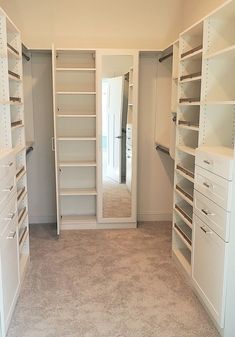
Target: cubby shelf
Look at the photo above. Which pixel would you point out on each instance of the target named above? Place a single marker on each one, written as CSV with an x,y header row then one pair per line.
x,y
77,191
75,219
183,217
188,127
22,173
77,164
186,149
75,69
184,257
76,138
75,116
12,54
228,52
183,237
185,173
194,55
191,79
186,194
76,92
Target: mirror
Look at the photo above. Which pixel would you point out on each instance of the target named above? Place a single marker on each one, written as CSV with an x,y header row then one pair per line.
x,y
117,109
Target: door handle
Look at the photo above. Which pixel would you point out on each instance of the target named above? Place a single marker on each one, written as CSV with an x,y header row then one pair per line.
x,y
8,165
206,185
10,217
9,189
205,231
11,235
206,212
119,137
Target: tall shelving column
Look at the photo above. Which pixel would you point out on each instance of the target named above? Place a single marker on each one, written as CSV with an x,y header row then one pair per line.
x,y
187,130
12,127
75,137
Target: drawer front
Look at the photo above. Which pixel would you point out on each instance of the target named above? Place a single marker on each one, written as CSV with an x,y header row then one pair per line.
x,y
7,189
214,187
215,164
8,214
9,271
7,167
208,268
213,215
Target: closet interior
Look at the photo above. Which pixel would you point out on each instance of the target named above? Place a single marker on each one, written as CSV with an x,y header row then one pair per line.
x,y
193,95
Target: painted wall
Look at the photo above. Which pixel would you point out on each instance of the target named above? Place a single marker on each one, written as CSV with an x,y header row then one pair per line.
x,y
155,170
96,24
40,162
194,10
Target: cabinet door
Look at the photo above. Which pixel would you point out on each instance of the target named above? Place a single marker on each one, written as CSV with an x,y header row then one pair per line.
x,y
9,270
209,260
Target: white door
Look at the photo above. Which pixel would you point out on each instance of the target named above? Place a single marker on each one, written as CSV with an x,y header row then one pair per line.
x,y
114,128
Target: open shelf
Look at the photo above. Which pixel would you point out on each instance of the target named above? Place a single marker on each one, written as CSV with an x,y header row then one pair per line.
x,y
74,127
185,189
77,191
75,116
76,138
79,177
77,163
184,210
187,149
185,233
21,193
75,59
185,172
192,54
74,151
76,69
184,257
75,82
21,216
76,219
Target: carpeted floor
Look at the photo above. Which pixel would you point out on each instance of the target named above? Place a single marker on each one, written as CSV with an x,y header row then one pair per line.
x,y
106,283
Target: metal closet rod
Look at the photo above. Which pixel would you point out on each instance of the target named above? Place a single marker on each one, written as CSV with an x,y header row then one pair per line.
x,y
23,53
168,53
162,149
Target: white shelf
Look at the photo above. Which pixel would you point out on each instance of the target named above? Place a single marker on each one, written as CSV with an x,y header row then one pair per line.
x,y
20,175
219,151
224,53
77,191
183,218
182,238
76,138
187,149
184,256
192,128
76,219
75,69
13,78
22,215
22,196
193,79
183,196
75,116
76,92
218,103
184,174
189,103
77,164
196,55
11,54
19,149
17,127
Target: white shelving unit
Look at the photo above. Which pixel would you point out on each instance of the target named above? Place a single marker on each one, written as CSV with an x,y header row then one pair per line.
x,y
12,140
74,74
187,138
204,188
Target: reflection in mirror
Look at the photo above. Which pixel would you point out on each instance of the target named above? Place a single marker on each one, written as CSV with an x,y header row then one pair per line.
x,y
117,87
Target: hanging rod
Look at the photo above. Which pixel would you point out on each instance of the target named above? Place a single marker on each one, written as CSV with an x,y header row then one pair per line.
x,y
162,149
166,53
24,54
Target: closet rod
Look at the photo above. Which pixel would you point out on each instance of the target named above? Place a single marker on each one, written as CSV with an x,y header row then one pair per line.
x,y
165,57
24,54
162,149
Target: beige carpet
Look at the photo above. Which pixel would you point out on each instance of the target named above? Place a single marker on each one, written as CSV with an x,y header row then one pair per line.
x,y
107,283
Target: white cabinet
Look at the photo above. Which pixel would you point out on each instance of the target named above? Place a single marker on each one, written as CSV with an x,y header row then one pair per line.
x,y
209,266
9,272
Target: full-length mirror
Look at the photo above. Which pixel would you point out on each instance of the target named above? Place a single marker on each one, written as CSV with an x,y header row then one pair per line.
x,y
118,127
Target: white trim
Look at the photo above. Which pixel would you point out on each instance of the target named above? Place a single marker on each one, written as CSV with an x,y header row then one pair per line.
x,y
42,219
82,226
148,216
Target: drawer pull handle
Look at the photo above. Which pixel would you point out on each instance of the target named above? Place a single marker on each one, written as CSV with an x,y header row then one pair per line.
x,y
10,217
8,165
205,231
207,162
8,189
206,185
11,235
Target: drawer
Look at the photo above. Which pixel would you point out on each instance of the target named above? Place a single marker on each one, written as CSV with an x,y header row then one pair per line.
x,y
218,164
208,269
9,261
7,167
7,189
213,215
8,214
214,187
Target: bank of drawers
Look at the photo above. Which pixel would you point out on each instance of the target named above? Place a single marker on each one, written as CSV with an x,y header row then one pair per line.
x,y
213,192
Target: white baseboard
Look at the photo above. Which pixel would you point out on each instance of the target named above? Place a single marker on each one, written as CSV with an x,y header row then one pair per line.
x,y
42,219
79,226
154,216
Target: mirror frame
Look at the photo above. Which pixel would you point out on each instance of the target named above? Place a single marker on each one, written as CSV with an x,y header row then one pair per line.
x,y
131,221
